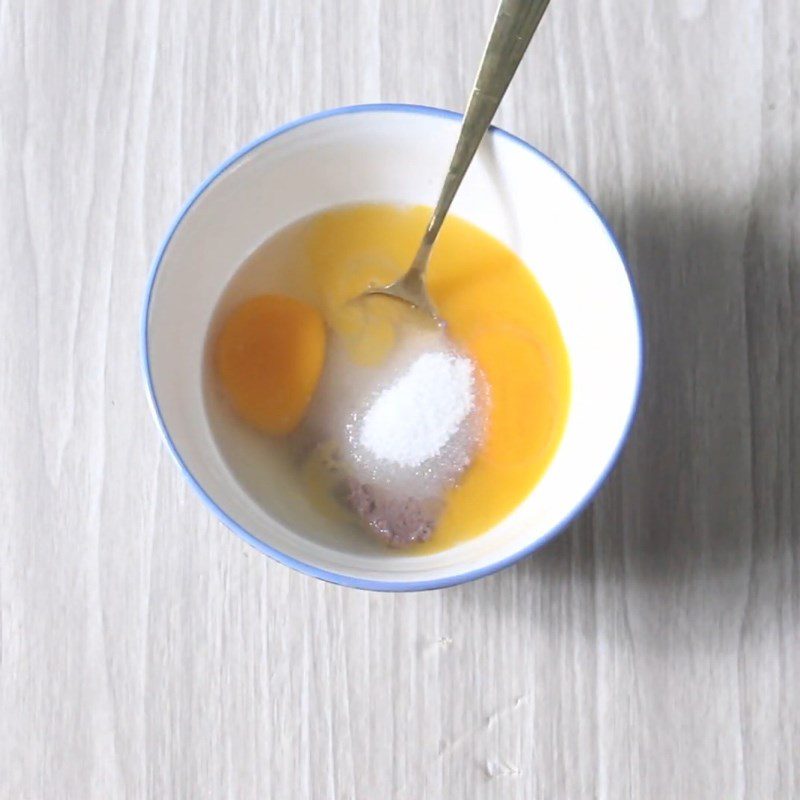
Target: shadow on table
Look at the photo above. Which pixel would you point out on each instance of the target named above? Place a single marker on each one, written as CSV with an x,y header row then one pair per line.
x,y
703,488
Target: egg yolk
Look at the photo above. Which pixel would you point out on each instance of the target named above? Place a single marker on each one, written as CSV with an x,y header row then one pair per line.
x,y
269,356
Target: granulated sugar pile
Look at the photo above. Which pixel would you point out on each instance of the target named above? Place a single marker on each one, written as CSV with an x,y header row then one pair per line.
x,y
403,432
414,418
416,430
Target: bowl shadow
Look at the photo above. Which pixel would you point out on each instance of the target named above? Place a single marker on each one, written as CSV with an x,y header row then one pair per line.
x,y
702,494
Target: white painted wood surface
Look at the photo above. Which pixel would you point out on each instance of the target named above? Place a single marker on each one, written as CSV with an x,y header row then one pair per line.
x,y
652,651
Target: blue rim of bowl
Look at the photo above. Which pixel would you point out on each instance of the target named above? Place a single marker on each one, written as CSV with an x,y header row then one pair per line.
x,y
277,555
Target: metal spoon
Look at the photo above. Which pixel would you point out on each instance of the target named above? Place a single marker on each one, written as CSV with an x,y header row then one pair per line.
x,y
513,28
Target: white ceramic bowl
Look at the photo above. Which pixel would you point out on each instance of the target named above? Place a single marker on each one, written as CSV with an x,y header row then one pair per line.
x,y
397,154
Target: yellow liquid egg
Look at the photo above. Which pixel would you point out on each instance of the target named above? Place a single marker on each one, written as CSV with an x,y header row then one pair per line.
x,y
494,311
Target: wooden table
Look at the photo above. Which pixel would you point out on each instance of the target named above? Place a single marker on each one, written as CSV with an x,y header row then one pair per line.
x,y
652,651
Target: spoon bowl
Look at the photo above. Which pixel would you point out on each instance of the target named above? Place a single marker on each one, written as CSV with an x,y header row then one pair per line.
x,y
410,288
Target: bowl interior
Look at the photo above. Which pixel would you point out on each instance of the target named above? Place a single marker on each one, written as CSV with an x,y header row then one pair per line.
x,y
399,156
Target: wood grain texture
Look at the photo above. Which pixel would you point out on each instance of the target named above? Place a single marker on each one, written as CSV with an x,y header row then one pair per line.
x,y
652,651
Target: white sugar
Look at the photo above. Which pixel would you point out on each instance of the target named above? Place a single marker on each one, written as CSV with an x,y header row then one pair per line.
x,y
414,418
411,424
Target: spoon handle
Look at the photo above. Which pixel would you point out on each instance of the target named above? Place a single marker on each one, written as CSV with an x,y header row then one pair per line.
x,y
513,28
